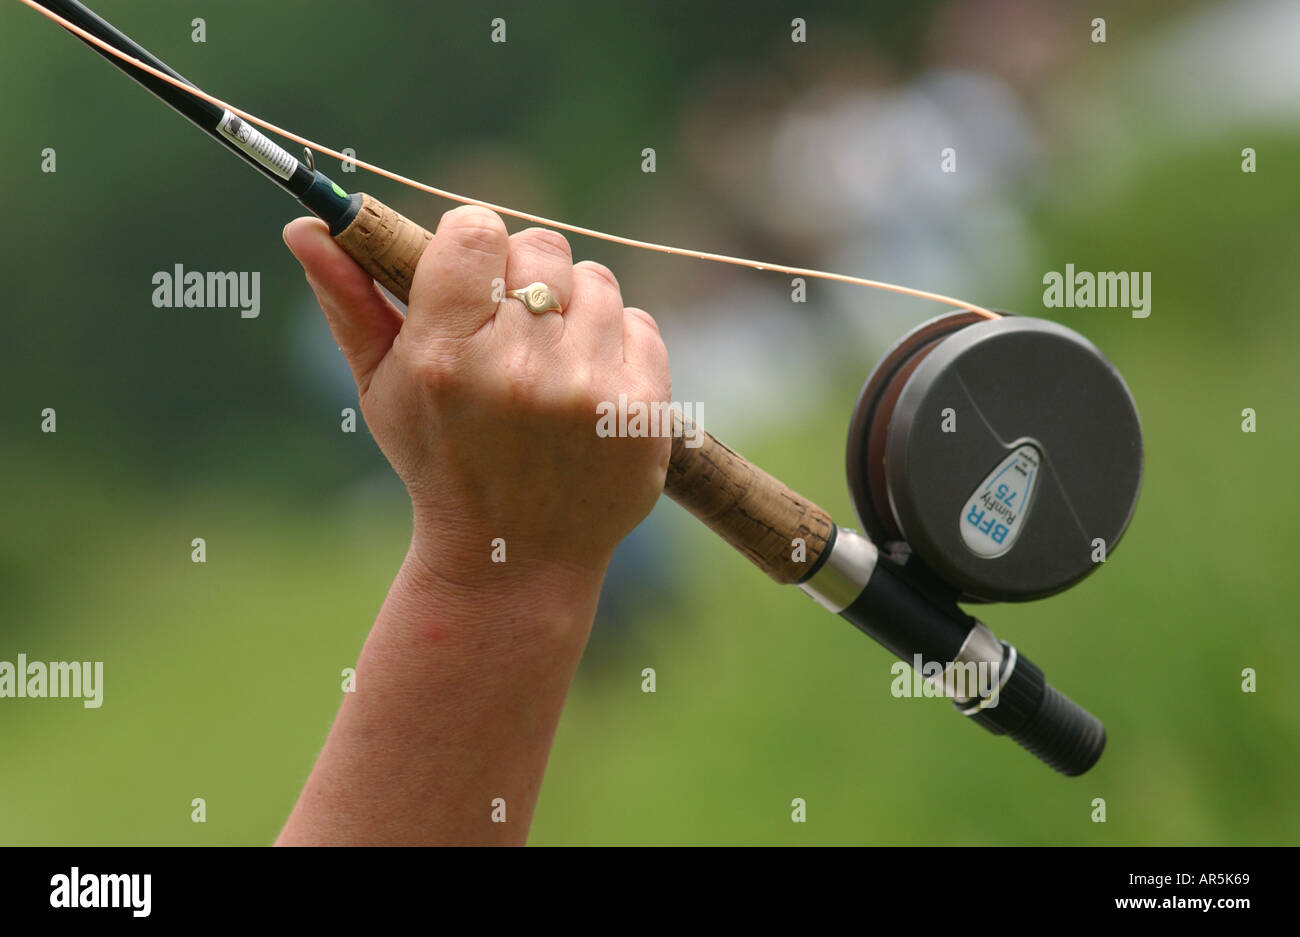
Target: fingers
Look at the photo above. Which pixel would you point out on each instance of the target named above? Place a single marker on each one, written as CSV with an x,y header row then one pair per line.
x,y
594,318
362,321
452,293
537,254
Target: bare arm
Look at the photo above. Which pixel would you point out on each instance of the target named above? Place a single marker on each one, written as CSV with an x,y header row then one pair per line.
x,y
488,413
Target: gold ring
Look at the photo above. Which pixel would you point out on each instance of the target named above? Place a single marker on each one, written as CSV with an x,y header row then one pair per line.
x,y
538,298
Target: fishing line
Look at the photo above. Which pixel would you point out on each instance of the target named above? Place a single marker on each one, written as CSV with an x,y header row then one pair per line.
x,y
500,209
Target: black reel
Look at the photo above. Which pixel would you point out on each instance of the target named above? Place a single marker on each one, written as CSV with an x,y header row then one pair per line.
x,y
1003,454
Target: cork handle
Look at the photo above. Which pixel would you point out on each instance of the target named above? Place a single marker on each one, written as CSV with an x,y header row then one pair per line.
x,y
748,508
386,244
744,505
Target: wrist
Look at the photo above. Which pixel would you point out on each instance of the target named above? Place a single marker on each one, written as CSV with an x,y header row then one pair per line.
x,y
442,593
460,550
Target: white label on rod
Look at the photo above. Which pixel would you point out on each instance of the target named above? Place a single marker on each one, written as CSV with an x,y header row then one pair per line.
x,y
263,150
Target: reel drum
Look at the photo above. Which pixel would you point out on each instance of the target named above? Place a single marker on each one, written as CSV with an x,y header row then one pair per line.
x,y
1000,450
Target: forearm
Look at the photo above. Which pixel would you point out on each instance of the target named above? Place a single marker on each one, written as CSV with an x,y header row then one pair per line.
x,y
458,693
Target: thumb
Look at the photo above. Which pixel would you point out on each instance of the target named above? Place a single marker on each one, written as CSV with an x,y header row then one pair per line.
x,y
361,319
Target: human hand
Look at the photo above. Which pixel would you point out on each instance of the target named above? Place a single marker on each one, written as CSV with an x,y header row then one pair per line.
x,y
488,411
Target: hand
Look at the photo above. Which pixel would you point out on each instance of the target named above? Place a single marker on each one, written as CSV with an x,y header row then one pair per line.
x,y
487,411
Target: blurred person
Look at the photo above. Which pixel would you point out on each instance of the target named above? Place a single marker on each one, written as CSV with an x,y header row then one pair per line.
x,y
487,412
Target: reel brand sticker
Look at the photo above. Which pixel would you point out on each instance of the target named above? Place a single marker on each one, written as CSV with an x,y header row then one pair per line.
x,y
995,512
262,149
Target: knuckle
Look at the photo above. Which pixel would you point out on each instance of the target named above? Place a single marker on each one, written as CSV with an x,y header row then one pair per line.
x,y
520,371
642,316
598,271
580,395
648,355
571,397
431,372
473,228
441,372
545,241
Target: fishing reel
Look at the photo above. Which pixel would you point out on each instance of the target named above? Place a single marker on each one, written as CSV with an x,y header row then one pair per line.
x,y
998,460
989,460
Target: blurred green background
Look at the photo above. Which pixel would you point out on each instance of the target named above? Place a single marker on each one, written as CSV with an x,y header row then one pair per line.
x,y
221,679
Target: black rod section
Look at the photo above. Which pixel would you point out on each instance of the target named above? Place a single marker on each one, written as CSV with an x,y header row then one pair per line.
x,y
311,187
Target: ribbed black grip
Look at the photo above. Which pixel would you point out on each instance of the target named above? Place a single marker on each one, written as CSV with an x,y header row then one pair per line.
x,y
1044,721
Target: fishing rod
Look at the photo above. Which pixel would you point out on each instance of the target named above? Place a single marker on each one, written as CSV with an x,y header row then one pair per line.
x,y
380,239
990,458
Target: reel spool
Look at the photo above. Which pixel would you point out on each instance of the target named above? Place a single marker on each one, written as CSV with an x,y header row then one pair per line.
x,y
997,452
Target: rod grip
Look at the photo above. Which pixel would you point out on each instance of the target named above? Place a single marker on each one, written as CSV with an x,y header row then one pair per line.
x,y
744,505
386,244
